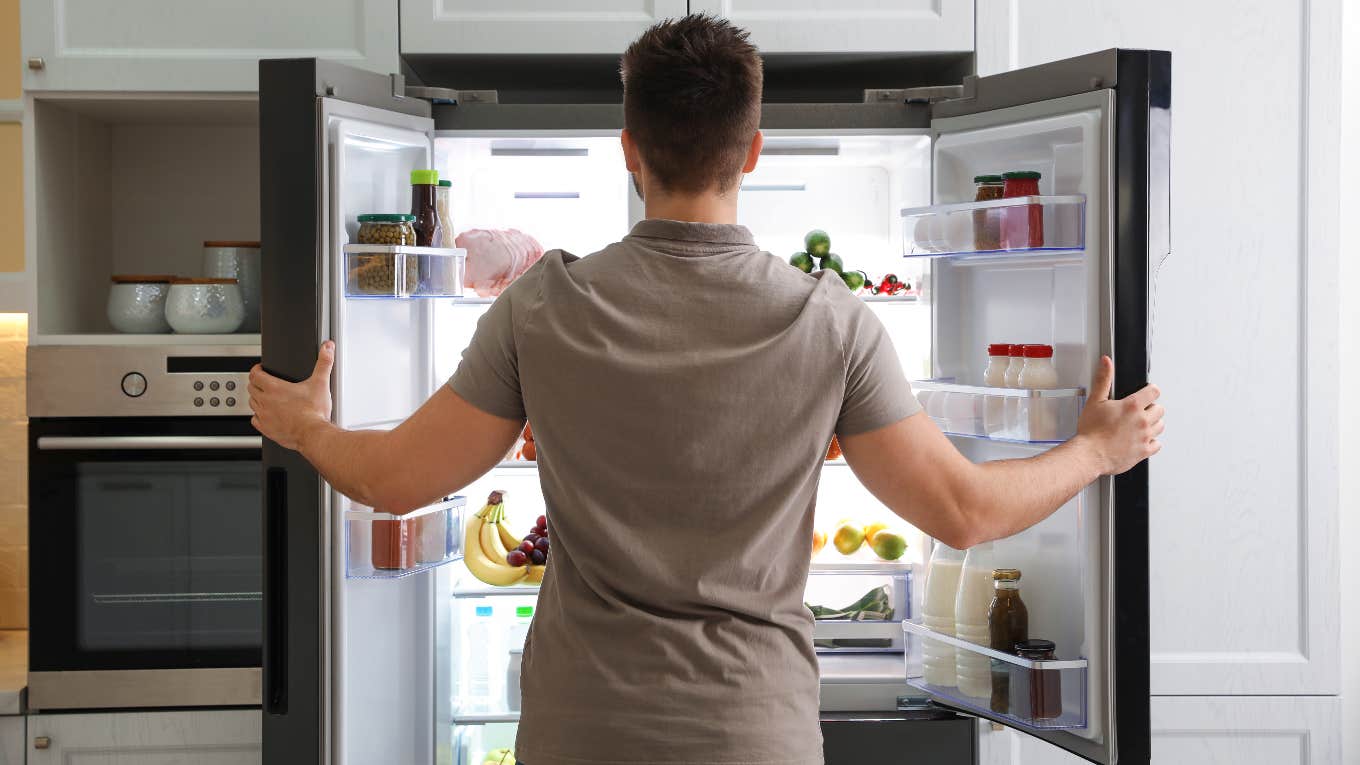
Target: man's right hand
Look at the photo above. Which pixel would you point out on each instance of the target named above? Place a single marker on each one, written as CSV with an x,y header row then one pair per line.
x,y
1120,432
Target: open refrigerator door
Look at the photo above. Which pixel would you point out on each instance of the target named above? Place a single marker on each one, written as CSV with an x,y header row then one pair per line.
x,y
1064,265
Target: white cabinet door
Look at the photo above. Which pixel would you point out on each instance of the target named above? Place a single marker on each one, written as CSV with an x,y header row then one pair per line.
x,y
529,26
12,740
1244,508
146,738
1246,731
196,45
859,26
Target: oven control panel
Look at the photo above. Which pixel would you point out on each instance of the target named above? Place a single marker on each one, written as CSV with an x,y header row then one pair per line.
x,y
139,381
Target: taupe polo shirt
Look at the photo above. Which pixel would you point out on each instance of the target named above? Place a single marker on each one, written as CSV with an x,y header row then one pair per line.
x,y
682,385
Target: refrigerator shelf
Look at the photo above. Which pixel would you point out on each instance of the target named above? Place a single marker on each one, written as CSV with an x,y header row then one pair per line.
x,y
517,465
1041,695
485,719
387,546
1001,414
485,590
393,271
851,566
1027,227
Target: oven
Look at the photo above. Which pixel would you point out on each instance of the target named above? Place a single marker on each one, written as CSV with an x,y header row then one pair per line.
x,y
145,540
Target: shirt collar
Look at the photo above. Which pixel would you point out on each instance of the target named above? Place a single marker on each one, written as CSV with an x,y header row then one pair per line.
x,y
689,231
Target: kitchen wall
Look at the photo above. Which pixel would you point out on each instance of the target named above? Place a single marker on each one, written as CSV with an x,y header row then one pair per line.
x,y
13,338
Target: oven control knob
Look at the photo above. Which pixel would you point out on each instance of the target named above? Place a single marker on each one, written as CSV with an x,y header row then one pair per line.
x,y
134,384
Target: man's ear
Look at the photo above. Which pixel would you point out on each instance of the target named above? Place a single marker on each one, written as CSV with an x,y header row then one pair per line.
x,y
753,154
631,160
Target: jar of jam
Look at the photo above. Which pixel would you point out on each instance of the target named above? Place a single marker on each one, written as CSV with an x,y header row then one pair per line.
x,y
987,222
1022,225
1036,693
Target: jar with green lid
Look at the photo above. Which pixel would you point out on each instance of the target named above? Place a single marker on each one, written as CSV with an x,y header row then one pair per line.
x,y
397,229
987,222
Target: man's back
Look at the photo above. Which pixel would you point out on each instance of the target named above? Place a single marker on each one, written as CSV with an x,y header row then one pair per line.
x,y
682,387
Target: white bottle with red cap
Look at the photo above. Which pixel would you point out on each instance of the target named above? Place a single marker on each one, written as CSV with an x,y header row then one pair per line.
x,y
994,407
1039,374
1013,408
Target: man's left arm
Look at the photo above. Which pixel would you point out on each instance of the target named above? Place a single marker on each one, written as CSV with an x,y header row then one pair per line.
x,y
447,444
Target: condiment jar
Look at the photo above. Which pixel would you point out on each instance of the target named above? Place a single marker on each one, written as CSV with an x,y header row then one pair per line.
x,y
1023,225
441,205
1036,693
387,228
423,207
993,407
1008,623
137,303
205,306
239,261
987,222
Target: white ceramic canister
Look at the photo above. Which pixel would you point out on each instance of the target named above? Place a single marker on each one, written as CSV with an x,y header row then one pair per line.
x,y
205,306
137,303
239,261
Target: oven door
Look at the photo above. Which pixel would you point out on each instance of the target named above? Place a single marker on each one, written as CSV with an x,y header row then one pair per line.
x,y
145,554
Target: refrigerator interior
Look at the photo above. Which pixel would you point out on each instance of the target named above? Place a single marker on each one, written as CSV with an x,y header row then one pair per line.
x,y
1032,297
572,192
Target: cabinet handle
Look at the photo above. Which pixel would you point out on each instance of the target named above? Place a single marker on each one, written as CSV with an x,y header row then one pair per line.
x,y
41,742
37,64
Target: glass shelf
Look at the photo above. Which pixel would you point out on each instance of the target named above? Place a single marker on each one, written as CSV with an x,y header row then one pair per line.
x,y
999,228
1038,695
388,546
1013,415
392,271
520,464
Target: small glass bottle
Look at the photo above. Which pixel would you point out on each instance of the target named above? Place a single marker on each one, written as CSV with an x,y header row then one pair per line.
x,y
1012,411
994,407
423,185
1036,693
441,204
1008,622
1040,416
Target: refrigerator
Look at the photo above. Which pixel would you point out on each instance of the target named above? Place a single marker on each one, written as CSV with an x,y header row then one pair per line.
x,y
369,661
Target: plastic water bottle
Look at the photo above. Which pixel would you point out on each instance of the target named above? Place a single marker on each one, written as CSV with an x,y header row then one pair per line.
x,y
519,628
481,635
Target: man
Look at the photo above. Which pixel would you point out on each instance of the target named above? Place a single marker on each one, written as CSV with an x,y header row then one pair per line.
x,y
681,418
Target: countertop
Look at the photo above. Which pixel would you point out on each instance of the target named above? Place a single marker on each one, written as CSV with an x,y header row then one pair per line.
x,y
13,670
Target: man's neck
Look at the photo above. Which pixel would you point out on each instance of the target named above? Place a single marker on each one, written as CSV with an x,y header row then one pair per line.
x,y
697,208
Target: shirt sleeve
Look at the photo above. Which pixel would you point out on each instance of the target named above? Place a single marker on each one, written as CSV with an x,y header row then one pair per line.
x,y
877,393
488,374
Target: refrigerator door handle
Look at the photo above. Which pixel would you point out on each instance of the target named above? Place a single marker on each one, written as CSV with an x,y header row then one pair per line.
x,y
276,592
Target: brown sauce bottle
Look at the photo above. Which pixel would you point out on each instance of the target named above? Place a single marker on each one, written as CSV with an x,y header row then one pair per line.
x,y
1008,623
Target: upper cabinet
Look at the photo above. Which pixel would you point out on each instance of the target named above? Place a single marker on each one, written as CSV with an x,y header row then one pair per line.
x,y
861,26
195,45
529,26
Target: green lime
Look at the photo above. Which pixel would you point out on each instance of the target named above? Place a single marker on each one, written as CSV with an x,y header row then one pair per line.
x,y
832,262
801,261
817,242
853,279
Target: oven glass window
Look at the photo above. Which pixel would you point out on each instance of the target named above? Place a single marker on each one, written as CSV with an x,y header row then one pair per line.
x,y
169,554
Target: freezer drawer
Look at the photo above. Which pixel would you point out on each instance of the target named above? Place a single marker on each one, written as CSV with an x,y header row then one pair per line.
x,y
928,735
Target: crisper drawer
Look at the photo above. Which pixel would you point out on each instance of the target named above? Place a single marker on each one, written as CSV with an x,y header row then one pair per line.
x,y
858,608
1036,695
386,546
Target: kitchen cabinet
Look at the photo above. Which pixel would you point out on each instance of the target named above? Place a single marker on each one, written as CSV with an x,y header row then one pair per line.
x,y
530,26
12,740
195,45
1244,559
230,737
867,26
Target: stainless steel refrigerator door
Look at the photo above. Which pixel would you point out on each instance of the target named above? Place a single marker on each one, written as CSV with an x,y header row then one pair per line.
x,y
316,706
1105,118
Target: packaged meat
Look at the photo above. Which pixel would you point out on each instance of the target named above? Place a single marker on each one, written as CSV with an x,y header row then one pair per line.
x,y
496,257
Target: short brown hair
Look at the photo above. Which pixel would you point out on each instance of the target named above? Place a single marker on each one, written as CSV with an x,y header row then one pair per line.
x,y
691,100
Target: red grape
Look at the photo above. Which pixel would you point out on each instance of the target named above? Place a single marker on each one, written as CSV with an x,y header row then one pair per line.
x,y
517,558
538,557
542,544
543,521
527,546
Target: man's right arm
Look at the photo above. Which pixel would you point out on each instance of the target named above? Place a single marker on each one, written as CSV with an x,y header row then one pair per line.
x,y
911,467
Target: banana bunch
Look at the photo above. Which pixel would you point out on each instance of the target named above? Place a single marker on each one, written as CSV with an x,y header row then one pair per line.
x,y
487,544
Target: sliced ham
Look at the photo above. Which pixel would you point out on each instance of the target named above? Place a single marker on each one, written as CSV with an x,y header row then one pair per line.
x,y
496,257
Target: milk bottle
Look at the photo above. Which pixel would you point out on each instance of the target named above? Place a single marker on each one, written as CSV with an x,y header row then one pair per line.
x,y
942,586
974,670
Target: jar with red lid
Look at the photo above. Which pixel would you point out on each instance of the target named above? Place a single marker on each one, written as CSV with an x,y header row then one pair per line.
x,y
1022,226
